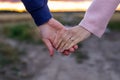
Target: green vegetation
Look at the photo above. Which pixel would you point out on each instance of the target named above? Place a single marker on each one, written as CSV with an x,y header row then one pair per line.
x,y
10,61
72,19
69,18
70,22
22,32
79,55
114,25
19,27
8,54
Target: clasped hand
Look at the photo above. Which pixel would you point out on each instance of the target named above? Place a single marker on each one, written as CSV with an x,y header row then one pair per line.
x,y
65,39
56,36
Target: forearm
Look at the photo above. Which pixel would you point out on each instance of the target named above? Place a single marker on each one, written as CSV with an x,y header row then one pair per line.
x,y
38,10
98,16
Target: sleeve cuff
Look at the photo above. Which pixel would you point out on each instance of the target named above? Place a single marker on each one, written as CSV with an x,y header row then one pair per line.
x,y
96,30
41,15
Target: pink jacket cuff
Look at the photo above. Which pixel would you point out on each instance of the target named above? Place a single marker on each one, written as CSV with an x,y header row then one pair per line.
x,y
98,15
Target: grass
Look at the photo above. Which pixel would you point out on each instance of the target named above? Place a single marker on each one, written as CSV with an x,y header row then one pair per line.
x,y
22,32
114,25
79,55
8,54
10,62
67,19
71,22
14,17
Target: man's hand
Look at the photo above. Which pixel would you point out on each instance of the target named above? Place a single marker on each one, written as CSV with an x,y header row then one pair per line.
x,y
71,37
48,33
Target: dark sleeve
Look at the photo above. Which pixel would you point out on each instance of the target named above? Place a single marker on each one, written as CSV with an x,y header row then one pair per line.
x,y
38,10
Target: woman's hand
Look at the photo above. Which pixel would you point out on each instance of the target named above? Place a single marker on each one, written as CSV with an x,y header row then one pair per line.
x,y
48,31
70,37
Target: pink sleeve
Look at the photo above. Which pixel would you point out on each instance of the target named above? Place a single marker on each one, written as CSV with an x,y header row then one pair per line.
x,y
98,16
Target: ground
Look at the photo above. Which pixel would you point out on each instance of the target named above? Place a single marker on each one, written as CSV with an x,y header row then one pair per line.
x,y
102,63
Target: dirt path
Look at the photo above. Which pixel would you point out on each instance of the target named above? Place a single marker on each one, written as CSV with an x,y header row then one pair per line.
x,y
103,62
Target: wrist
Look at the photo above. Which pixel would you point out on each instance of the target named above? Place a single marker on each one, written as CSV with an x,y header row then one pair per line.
x,y
85,30
81,27
41,16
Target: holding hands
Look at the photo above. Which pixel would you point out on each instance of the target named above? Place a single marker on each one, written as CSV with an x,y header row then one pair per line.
x,y
48,32
65,39
55,35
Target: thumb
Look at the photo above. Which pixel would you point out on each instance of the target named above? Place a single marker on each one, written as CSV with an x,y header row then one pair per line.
x,y
55,24
49,46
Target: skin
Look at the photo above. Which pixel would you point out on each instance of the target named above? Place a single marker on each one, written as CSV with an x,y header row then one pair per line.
x,y
48,32
70,37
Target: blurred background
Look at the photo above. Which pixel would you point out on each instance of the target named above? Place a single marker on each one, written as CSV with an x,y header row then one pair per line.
x,y
23,56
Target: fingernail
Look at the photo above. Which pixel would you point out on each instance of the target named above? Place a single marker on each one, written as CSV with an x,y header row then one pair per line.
x,y
51,55
67,54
